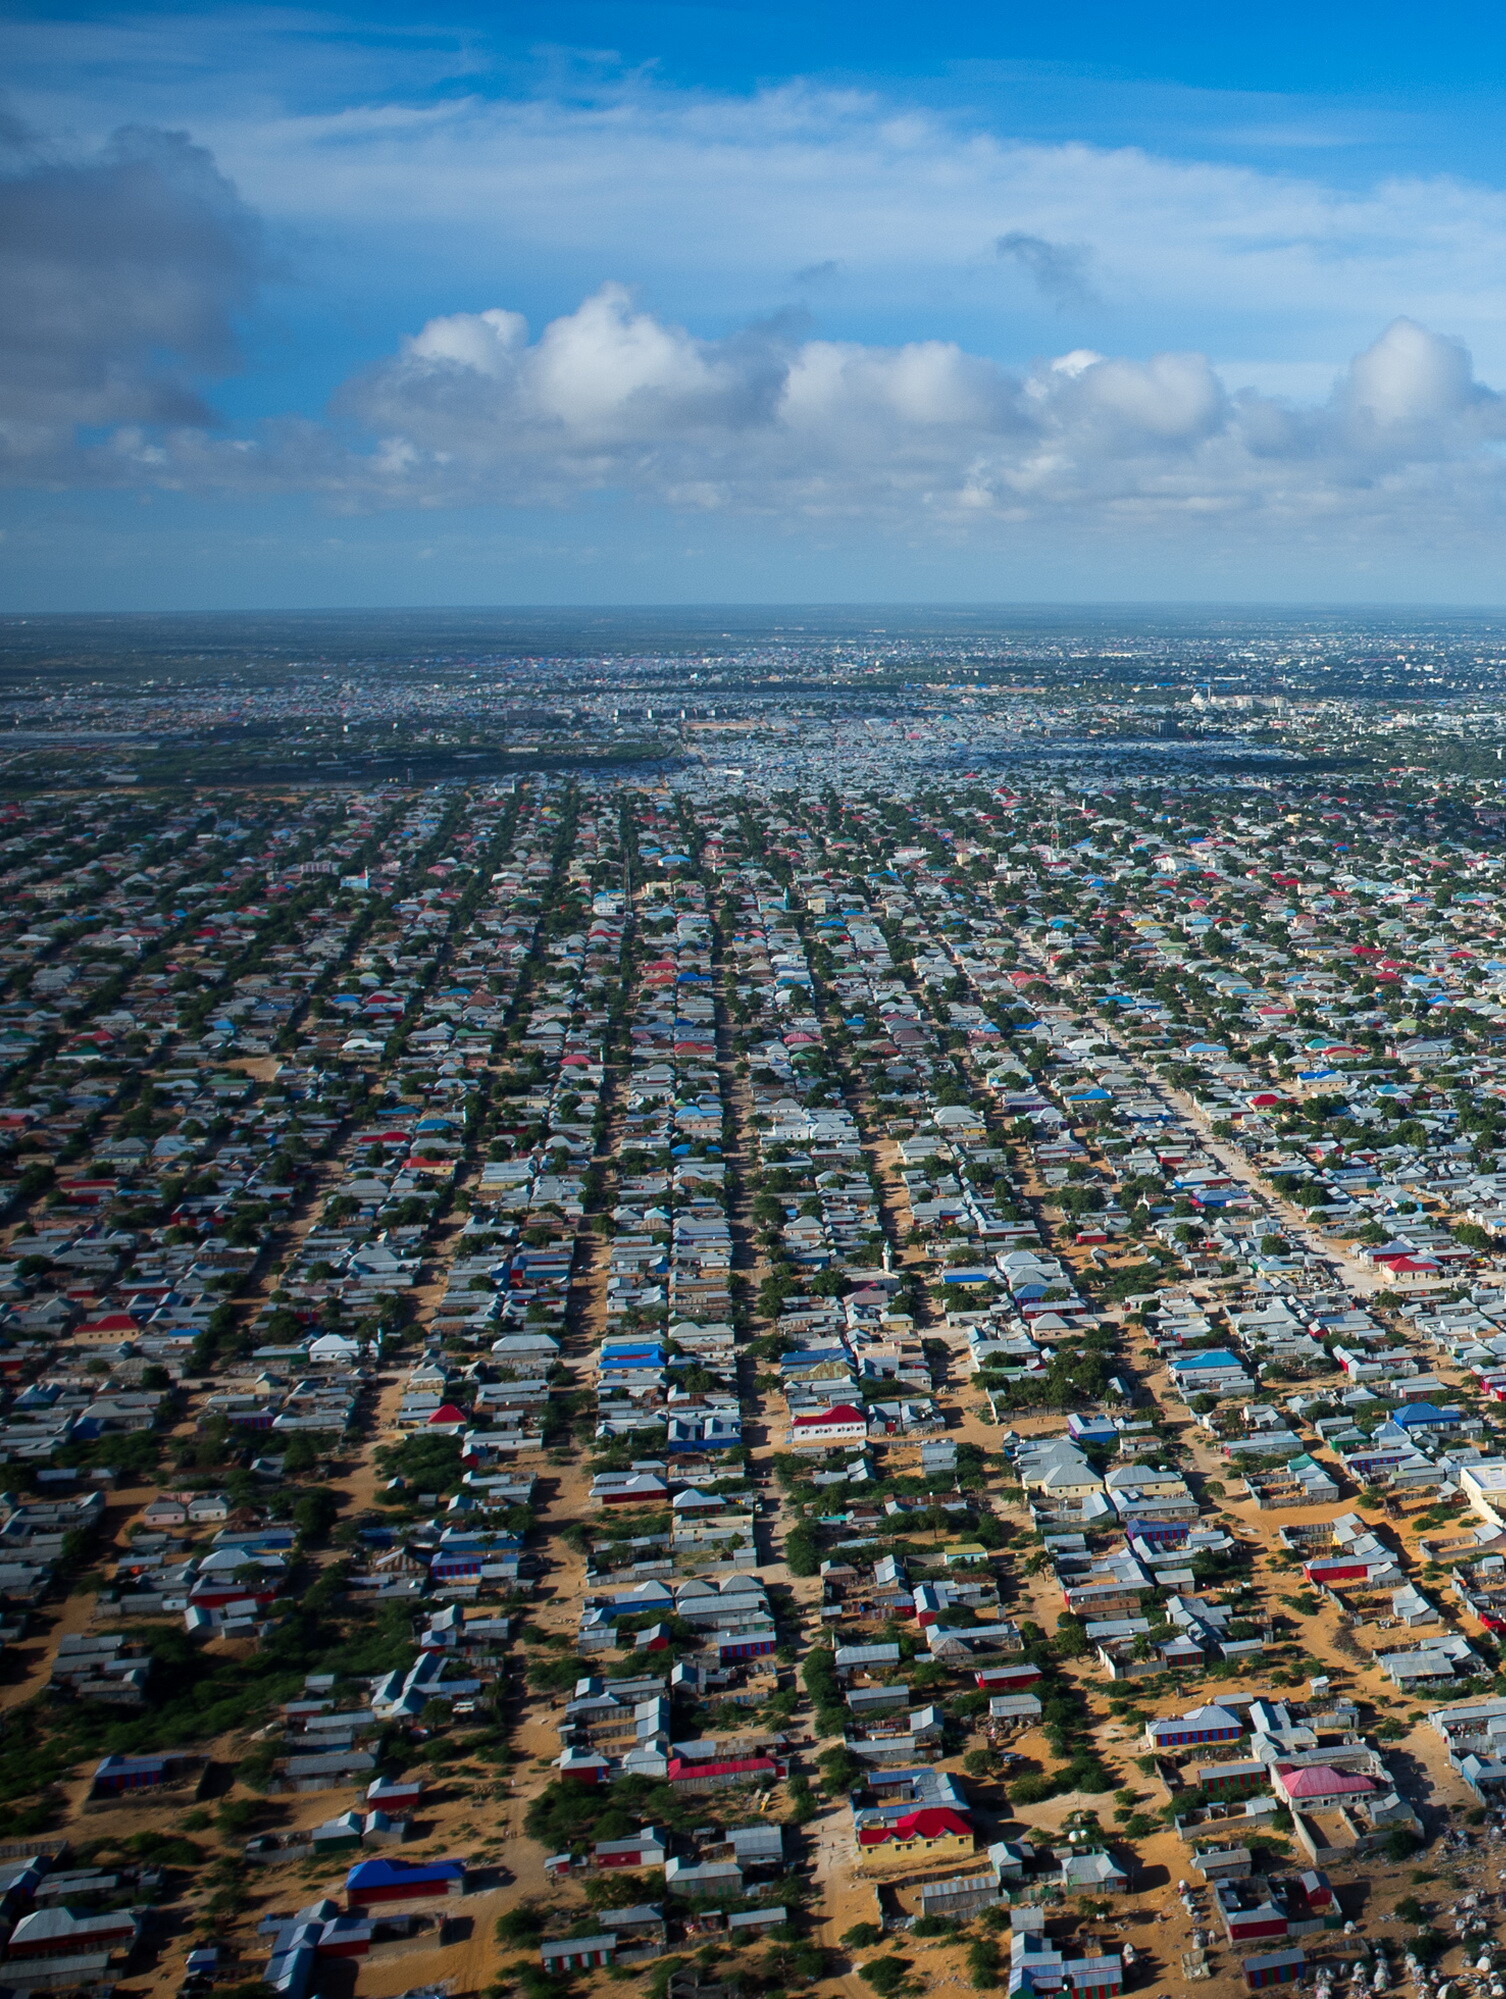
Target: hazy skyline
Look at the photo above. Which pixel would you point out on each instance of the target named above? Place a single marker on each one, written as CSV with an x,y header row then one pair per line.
x,y
607,303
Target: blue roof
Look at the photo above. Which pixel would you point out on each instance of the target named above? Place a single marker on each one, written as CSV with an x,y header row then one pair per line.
x,y
391,1873
1105,1424
1220,1360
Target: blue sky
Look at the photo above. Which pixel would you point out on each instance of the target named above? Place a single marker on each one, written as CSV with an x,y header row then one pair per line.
x,y
643,303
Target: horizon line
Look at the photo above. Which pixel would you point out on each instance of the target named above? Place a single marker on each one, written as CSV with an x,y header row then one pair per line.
x,y
805,606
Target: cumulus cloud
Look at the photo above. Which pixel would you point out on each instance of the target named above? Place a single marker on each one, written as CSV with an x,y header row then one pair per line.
x,y
469,407
120,279
1412,382
1058,270
473,410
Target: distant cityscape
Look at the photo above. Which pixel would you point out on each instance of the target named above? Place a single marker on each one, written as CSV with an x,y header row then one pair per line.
x,y
753,1298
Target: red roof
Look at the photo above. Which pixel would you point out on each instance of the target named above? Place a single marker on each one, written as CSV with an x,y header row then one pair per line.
x,y
930,1822
448,1413
682,1766
110,1322
843,1413
1321,1781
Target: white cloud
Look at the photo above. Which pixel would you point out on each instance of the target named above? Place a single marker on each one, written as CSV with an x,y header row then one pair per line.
x,y
608,373
921,436
1411,377
485,342
832,390
609,396
1174,399
933,434
917,436
713,201
408,156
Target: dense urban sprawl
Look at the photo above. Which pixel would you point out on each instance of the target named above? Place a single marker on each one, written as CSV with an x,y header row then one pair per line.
x,y
838,1372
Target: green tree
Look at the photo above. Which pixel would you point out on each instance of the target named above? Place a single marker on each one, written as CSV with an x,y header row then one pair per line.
x,y
523,1925
300,1454
885,1974
983,1964
802,1549
862,1936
